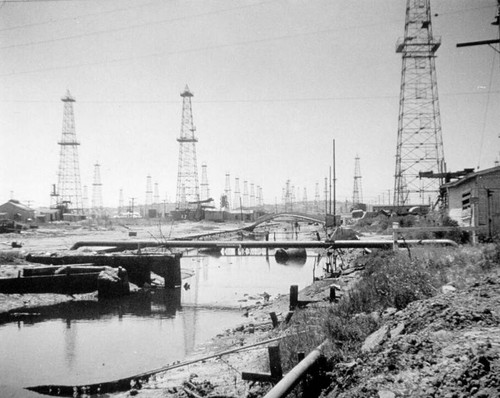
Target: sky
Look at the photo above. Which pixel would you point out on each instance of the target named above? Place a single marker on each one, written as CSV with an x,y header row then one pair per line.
x,y
275,82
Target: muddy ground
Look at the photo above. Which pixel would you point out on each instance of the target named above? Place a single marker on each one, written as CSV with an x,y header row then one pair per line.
x,y
446,346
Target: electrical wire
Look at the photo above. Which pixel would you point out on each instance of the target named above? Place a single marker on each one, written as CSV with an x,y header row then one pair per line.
x,y
485,116
130,27
96,14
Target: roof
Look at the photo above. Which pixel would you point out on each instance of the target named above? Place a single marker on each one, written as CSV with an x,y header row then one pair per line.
x,y
19,205
472,176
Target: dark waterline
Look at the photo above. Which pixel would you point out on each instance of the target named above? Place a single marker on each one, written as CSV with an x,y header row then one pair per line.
x,y
90,342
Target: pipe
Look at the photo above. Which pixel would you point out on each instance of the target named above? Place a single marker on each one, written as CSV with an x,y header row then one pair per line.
x,y
292,378
338,244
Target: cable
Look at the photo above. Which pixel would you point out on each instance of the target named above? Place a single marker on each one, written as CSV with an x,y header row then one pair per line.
x,y
146,24
239,101
488,96
76,17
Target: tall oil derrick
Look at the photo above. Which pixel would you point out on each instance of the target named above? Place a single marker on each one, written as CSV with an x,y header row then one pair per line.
x,y
245,193
237,195
187,176
97,209
252,194
419,143
149,192
205,191
357,192
288,196
69,190
156,197
258,198
226,200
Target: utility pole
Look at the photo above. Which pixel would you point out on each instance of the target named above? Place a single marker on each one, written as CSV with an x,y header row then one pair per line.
x,y
496,22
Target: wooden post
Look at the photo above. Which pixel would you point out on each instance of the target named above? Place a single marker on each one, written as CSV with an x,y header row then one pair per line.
x,y
395,227
274,319
294,297
288,316
333,297
275,362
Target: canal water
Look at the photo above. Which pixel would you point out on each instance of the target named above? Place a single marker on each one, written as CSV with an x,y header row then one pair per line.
x,y
92,342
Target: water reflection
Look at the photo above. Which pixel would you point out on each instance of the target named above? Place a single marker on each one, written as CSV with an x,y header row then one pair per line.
x,y
93,341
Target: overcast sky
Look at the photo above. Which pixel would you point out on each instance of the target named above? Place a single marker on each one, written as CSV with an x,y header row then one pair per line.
x,y
274,83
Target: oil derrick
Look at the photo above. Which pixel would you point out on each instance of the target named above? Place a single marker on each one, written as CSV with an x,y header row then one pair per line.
x,y
156,198
259,198
97,209
205,192
419,143
225,201
187,176
252,194
245,193
237,197
149,192
69,191
357,192
316,199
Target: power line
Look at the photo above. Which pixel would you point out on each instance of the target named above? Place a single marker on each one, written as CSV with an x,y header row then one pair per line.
x,y
165,21
264,100
75,17
130,27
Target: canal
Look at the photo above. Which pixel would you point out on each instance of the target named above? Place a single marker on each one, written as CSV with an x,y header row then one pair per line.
x,y
90,342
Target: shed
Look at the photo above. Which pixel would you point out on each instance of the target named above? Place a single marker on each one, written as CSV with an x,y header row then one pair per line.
x,y
474,200
16,211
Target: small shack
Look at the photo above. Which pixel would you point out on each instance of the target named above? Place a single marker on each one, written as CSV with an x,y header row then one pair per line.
x,y
474,200
16,211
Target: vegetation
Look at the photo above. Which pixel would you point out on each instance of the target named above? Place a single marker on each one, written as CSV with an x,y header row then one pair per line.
x,y
388,280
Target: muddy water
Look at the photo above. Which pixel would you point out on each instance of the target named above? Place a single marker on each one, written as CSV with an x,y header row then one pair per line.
x,y
90,342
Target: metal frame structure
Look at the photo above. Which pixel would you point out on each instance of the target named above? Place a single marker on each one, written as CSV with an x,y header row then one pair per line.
x,y
419,143
204,188
97,207
69,190
357,191
187,176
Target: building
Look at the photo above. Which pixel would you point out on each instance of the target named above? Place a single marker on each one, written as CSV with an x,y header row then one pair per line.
x,y
16,211
474,200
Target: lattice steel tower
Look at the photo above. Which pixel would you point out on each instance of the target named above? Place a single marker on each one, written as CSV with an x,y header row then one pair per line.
x,y
227,192
204,188
420,143
97,207
69,190
187,176
357,191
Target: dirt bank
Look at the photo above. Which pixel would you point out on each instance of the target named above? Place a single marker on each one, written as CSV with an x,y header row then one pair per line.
x,y
445,346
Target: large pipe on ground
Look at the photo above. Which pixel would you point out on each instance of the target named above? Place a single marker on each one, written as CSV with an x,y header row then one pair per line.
x,y
283,256
338,244
292,378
